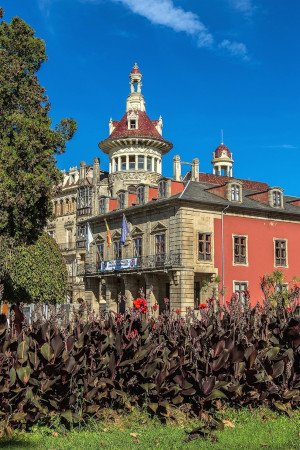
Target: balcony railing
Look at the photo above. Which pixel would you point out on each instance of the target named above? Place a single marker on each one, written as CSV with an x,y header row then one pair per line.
x,y
67,246
152,262
81,243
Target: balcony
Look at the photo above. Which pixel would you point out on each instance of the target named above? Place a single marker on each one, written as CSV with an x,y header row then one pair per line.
x,y
134,264
67,246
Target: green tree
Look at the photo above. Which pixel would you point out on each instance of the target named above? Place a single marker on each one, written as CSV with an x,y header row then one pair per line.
x,y
28,143
37,272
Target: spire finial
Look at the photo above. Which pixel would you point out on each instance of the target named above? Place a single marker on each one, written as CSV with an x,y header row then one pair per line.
x,y
222,137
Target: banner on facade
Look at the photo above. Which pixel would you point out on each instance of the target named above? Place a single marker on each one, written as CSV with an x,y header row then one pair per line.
x,y
119,264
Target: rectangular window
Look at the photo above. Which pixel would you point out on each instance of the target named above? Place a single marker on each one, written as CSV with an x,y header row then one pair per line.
x,y
102,206
123,163
141,162
132,162
149,163
239,288
141,195
117,250
204,246
162,189
116,165
160,247
81,232
280,253
121,200
132,124
138,247
240,249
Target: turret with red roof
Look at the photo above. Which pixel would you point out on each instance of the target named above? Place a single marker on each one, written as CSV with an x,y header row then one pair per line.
x,y
135,144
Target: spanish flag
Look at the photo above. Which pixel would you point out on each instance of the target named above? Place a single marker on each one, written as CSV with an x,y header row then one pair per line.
x,y
108,233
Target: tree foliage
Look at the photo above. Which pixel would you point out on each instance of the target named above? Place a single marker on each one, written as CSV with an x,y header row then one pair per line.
x,y
37,272
28,143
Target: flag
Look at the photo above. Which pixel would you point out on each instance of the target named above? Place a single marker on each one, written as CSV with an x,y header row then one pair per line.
x,y
125,230
108,234
89,237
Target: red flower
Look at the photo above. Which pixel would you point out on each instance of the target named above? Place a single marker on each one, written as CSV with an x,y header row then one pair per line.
x,y
140,303
177,310
289,309
155,307
203,306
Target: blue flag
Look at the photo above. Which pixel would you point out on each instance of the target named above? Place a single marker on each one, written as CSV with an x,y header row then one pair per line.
x,y
125,230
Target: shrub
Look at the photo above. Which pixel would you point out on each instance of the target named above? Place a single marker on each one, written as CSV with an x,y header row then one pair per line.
x,y
233,354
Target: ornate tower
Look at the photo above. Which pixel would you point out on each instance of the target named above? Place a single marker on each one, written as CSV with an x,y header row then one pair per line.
x,y
222,161
135,144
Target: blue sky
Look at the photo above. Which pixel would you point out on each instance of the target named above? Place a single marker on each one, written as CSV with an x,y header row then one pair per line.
x,y
207,65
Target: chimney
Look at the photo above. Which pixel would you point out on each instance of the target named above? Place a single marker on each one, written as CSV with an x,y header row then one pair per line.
x,y
176,168
195,170
96,171
82,171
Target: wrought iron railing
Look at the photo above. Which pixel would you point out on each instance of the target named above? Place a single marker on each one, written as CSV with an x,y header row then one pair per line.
x,y
159,262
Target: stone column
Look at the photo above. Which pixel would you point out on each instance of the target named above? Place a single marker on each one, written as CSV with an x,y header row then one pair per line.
x,y
127,162
182,290
92,293
150,297
110,305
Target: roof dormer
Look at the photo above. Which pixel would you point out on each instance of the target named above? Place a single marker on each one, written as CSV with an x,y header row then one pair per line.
x,y
132,120
276,197
235,191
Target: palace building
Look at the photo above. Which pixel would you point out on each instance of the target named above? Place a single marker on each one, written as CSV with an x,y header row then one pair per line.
x,y
186,235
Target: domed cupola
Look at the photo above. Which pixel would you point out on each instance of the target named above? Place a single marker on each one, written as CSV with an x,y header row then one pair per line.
x,y
135,144
222,161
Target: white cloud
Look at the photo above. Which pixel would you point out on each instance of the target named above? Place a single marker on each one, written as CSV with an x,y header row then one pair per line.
x,y
164,12
237,49
244,6
282,146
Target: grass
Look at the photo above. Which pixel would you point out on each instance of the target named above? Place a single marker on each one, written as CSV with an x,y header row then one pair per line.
x,y
246,429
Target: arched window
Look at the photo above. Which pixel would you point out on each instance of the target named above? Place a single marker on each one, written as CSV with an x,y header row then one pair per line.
x,y
235,193
141,195
131,189
162,189
73,208
61,212
67,206
121,200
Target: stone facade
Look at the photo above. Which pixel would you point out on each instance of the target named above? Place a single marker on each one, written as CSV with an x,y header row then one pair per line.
x,y
177,236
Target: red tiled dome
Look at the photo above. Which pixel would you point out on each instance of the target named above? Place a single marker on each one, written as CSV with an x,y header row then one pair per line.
x,y
220,149
146,127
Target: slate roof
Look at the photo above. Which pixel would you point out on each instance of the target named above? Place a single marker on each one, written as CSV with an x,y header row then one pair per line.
x,y
197,191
